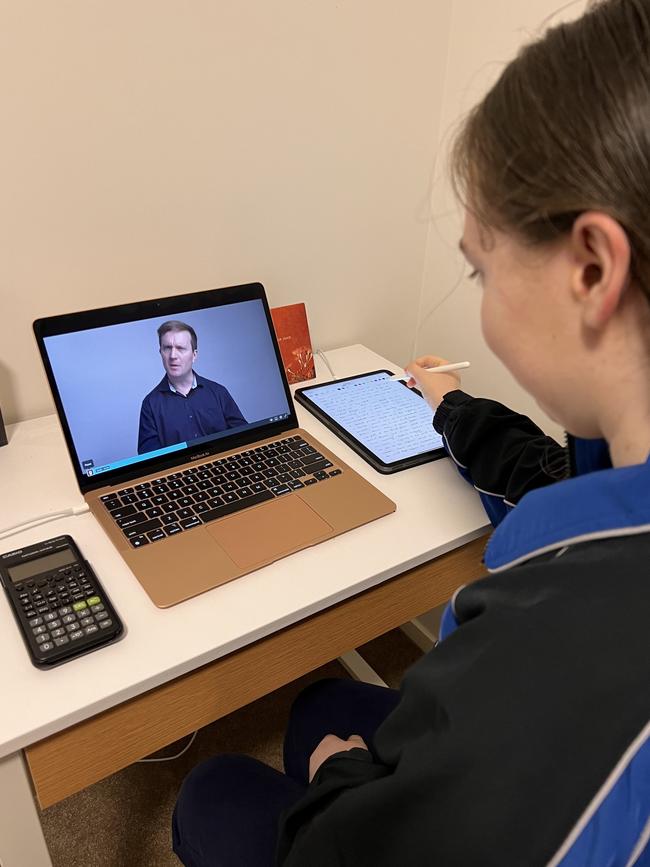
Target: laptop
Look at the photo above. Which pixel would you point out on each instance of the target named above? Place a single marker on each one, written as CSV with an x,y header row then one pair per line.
x,y
183,436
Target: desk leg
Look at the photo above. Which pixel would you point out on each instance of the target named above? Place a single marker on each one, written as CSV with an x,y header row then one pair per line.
x,y
21,836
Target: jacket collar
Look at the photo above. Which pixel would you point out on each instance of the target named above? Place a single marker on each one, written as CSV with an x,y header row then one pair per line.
x,y
600,502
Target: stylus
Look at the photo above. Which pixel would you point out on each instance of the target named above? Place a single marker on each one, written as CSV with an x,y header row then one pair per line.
x,y
441,368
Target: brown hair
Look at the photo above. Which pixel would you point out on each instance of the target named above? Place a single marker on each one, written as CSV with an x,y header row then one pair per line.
x,y
177,325
566,129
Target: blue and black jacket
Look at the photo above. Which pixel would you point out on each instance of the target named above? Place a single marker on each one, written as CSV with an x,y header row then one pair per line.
x,y
522,739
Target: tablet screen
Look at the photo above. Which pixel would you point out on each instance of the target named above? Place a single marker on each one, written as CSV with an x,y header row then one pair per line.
x,y
389,419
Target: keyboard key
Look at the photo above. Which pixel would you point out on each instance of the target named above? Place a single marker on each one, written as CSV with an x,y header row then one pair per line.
x,y
320,475
131,520
143,527
156,535
139,541
172,529
311,481
122,511
168,519
278,490
316,466
295,485
229,508
188,523
335,473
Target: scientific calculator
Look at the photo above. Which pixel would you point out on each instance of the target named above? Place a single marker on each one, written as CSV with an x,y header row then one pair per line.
x,y
61,608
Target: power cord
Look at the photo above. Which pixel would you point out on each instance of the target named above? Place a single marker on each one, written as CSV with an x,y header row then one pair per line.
x,y
322,355
43,519
172,758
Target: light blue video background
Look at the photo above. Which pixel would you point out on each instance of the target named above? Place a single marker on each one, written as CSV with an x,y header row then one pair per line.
x,y
104,373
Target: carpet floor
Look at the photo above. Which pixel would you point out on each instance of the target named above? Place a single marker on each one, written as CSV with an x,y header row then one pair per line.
x,y
125,820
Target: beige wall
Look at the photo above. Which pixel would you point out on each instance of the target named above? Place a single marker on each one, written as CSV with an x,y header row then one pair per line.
x,y
151,147
483,36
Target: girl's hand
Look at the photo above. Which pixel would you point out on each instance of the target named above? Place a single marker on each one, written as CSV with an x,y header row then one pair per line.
x,y
432,385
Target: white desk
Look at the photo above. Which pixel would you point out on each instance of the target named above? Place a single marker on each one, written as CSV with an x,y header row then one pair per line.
x,y
437,513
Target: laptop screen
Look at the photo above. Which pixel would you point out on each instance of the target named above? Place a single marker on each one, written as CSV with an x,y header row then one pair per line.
x,y
164,385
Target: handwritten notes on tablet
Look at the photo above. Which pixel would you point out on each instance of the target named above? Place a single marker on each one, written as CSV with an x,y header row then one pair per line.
x,y
389,419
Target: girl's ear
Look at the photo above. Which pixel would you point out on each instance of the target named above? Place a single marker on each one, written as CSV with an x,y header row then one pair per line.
x,y
600,252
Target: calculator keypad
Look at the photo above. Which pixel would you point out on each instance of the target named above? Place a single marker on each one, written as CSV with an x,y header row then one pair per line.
x,y
62,607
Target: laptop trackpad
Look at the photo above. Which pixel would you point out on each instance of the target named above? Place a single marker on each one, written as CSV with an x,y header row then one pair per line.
x,y
269,531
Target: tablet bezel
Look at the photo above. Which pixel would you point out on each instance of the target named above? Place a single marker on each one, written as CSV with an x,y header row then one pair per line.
x,y
302,397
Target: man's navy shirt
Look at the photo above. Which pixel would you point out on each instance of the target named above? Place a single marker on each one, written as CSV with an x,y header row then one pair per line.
x,y
168,417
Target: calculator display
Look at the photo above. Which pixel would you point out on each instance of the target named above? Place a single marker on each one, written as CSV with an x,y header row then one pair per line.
x,y
39,565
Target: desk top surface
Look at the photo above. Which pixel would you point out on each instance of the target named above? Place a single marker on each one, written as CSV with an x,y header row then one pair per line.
x,y
436,512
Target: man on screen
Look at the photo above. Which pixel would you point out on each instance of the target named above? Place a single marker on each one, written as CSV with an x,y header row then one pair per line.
x,y
183,406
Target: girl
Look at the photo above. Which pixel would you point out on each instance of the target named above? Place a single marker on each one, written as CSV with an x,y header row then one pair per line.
x,y
522,738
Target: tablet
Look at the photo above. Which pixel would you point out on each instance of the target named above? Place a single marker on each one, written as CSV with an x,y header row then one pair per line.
x,y
385,422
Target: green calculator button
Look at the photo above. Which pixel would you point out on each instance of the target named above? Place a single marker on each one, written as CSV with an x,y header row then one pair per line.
x,y
79,606
94,600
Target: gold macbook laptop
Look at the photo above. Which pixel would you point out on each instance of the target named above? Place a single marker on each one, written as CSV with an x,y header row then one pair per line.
x,y
183,436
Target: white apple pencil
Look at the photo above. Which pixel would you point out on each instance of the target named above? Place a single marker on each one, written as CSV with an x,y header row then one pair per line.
x,y
441,368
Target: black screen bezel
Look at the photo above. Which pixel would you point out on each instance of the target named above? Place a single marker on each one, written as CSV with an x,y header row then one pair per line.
x,y
302,396
136,311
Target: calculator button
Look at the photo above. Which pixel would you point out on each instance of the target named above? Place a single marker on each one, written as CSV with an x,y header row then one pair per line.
x,y
96,608
79,606
69,618
86,621
39,630
101,615
65,610
43,609
74,636
41,582
90,629
94,600
35,621
47,646
49,617
41,638
57,633
105,624
19,588
53,624
63,640
73,627
29,612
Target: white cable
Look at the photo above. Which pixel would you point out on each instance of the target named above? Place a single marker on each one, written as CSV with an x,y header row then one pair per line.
x,y
171,758
43,519
327,364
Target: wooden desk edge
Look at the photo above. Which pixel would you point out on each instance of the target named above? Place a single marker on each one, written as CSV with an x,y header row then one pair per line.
x,y
74,758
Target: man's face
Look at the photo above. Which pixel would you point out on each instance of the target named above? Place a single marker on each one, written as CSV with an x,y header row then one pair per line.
x,y
177,353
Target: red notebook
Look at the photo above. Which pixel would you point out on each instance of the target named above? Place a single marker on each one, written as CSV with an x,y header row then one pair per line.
x,y
292,331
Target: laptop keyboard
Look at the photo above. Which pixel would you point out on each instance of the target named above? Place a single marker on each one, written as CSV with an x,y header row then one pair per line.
x,y
172,504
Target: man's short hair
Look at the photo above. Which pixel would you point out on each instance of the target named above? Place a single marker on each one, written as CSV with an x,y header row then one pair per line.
x,y
177,325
